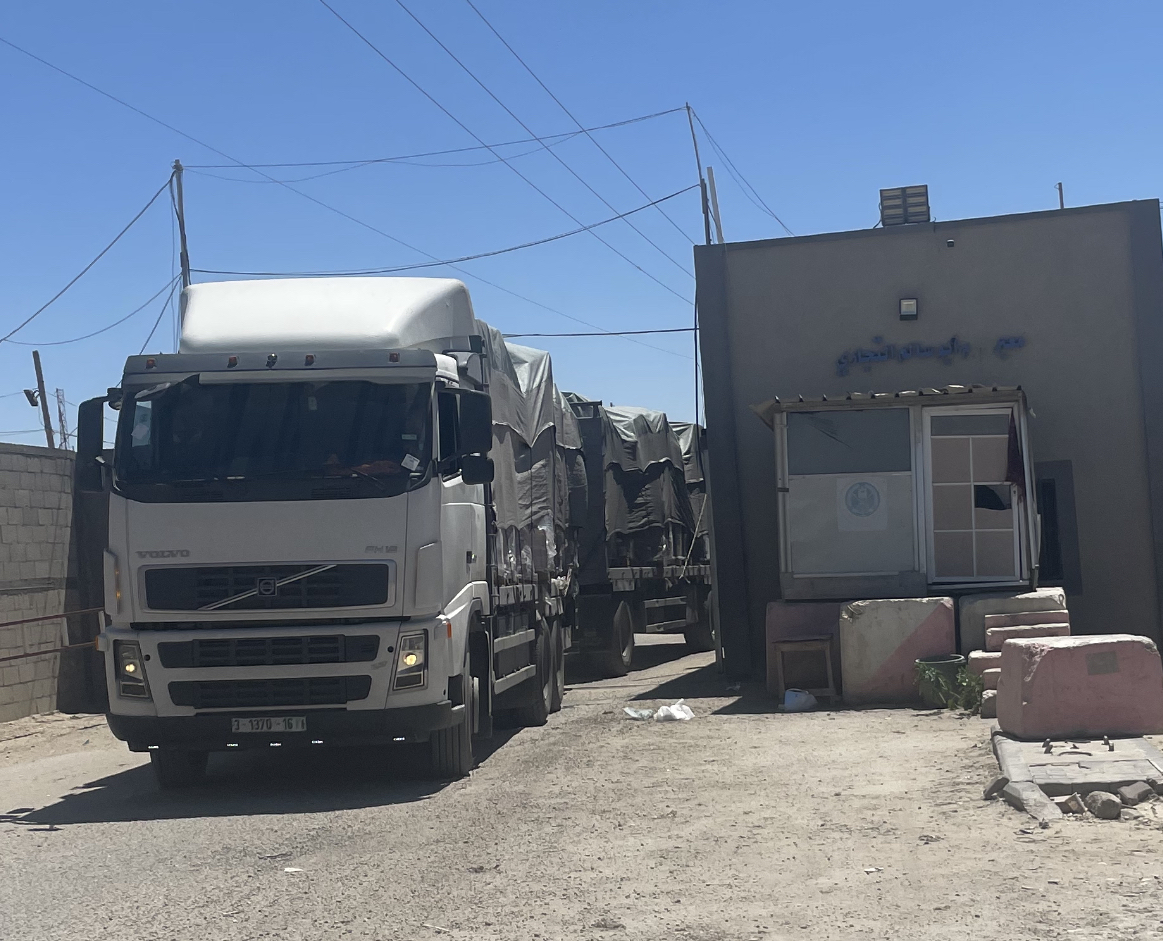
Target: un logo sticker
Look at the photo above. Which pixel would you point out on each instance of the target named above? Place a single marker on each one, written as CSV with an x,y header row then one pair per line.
x,y
862,499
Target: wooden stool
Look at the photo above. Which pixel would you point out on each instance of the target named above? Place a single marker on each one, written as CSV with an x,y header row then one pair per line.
x,y
819,645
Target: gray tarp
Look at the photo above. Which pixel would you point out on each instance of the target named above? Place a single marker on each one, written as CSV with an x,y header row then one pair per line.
x,y
537,459
691,439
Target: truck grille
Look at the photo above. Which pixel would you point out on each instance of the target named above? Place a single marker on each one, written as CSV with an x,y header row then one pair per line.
x,y
267,587
268,651
270,694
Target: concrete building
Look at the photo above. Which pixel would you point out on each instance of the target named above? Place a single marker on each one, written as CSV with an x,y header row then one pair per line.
x,y
1067,305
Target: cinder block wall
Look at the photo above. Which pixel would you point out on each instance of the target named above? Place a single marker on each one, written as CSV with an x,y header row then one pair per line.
x,y
35,518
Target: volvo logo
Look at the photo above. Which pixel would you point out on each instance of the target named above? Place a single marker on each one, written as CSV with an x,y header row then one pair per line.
x,y
267,586
163,553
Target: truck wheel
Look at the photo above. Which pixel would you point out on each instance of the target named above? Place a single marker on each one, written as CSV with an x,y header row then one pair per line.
x,y
451,749
536,710
176,768
699,637
557,645
616,660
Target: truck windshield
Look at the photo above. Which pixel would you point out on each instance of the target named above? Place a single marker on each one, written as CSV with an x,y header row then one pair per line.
x,y
375,435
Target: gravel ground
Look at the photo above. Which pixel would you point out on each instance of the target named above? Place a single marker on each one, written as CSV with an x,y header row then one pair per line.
x,y
739,824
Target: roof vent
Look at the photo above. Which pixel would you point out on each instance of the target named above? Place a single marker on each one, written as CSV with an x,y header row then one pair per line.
x,y
904,205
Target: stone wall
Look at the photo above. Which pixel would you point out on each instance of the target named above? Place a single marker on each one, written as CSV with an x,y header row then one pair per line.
x,y
35,520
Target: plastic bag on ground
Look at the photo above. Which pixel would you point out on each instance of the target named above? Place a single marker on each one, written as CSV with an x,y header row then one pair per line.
x,y
796,700
679,712
640,714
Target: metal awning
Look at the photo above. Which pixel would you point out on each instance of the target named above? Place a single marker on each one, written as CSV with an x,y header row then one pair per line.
x,y
986,395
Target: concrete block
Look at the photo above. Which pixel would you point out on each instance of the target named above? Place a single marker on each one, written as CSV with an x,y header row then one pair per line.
x,y
1132,794
1093,685
991,677
798,621
1031,799
881,640
1027,617
979,661
996,636
974,608
989,704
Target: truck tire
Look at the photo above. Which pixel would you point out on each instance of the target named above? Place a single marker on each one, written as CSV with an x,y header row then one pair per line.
x,y
176,768
616,659
451,749
536,710
557,645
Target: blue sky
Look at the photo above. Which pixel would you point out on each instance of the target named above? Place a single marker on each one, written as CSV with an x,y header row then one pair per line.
x,y
819,105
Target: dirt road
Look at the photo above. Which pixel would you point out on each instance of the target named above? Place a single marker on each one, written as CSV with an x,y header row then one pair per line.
x,y
739,824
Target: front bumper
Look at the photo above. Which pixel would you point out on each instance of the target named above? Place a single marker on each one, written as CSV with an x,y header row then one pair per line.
x,y
326,726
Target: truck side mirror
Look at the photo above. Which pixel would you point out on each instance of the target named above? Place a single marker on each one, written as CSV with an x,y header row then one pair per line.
x,y
476,424
90,443
476,469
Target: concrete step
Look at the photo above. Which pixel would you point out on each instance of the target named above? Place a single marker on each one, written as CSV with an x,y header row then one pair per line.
x,y
996,636
991,676
1014,618
979,661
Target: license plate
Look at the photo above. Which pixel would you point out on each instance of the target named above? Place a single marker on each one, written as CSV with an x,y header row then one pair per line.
x,y
269,724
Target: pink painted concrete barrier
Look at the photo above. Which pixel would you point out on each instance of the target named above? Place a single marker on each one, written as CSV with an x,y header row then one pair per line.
x,y
979,661
1054,687
880,641
996,636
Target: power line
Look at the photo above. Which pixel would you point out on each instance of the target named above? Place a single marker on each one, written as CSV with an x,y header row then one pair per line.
x,y
161,313
116,323
681,267
614,333
31,317
30,431
438,153
569,114
8,395
310,198
740,180
481,141
450,261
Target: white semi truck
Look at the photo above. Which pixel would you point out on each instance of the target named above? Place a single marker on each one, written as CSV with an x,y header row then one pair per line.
x,y
340,514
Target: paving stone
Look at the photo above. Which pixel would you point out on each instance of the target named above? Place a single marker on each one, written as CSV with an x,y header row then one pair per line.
x,y
979,661
995,637
1103,805
1135,793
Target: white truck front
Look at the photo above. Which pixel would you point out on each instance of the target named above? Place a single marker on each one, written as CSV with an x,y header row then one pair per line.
x,y
296,548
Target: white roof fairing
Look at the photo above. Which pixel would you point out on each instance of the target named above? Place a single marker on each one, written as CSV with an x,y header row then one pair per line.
x,y
312,314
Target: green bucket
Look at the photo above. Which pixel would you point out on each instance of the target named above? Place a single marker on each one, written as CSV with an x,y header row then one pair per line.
x,y
947,667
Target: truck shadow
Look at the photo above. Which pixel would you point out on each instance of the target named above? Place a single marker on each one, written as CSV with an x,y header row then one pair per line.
x,y
649,652
253,783
746,697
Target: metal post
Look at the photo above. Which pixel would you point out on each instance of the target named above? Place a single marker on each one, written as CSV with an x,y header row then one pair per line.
x,y
63,420
702,183
715,204
1061,198
43,400
180,208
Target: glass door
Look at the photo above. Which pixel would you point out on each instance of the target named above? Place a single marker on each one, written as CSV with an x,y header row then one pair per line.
x,y
972,505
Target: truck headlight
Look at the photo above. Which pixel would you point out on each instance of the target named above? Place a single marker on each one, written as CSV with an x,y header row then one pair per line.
x,y
130,668
412,661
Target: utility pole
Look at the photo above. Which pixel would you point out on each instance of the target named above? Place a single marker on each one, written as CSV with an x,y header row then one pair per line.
x,y
63,420
41,398
1061,198
702,183
715,203
180,209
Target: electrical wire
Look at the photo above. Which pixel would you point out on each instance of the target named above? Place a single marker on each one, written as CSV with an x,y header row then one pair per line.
x,y
30,431
316,201
161,313
569,114
681,267
739,179
116,323
437,153
8,395
435,264
31,317
614,333
481,141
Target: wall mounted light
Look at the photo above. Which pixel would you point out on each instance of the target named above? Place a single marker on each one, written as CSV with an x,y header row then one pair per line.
x,y
908,308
